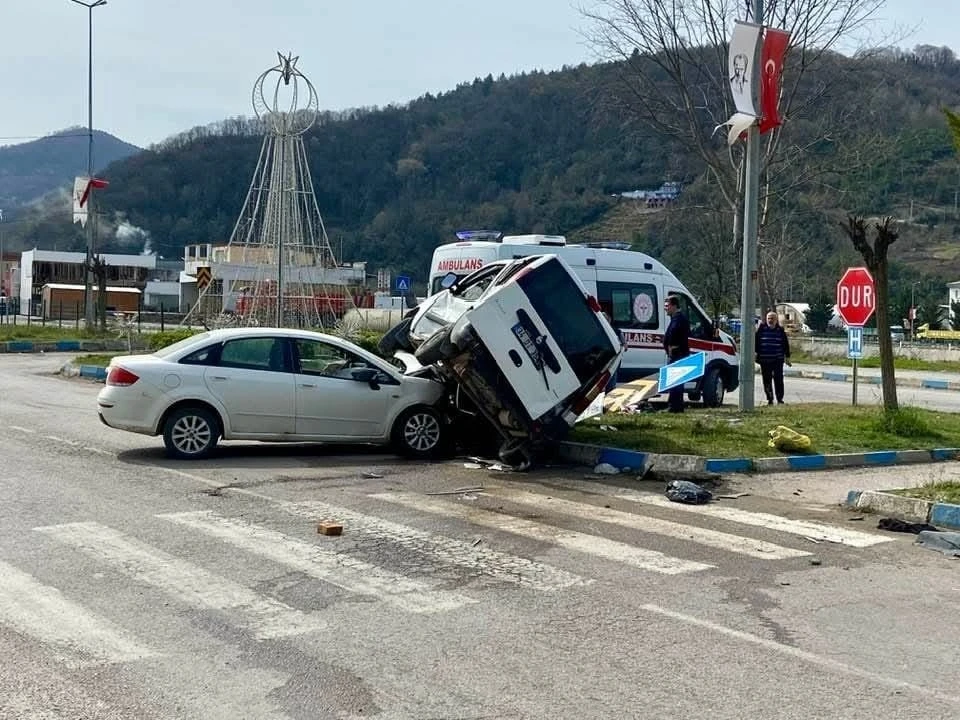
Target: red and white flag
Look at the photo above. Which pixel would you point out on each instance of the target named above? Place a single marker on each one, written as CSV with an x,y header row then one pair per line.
x,y
82,187
774,49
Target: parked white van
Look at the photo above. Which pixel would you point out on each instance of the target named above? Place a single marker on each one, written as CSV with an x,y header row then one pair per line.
x,y
630,287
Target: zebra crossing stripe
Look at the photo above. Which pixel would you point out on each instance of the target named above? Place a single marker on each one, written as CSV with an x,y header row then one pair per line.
x,y
483,561
571,540
338,569
804,528
692,533
78,637
264,617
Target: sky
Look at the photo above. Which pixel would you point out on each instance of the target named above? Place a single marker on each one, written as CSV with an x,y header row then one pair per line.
x,y
163,66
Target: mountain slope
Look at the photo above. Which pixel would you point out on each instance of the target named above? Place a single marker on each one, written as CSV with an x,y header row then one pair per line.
x,y
32,169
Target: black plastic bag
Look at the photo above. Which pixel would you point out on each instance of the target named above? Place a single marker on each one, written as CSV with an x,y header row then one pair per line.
x,y
684,491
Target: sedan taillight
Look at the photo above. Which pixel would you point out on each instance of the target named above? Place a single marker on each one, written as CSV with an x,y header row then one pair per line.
x,y
121,377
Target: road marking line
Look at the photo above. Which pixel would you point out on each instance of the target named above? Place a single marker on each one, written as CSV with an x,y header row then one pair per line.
x,y
569,539
494,564
193,585
42,611
692,533
804,528
338,569
799,654
21,429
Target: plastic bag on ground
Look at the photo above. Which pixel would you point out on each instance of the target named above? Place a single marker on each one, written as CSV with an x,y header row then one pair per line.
x,y
689,493
946,542
784,438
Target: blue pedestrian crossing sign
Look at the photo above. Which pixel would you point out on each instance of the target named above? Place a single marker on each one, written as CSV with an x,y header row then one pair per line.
x,y
403,283
854,343
682,371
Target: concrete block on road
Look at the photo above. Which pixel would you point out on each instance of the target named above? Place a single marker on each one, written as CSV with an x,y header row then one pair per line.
x,y
896,505
945,515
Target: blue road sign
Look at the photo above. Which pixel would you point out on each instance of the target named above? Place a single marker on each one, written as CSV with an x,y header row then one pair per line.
x,y
403,283
854,342
682,371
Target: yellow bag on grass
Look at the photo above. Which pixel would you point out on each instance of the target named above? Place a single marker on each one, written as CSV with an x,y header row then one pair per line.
x,y
784,438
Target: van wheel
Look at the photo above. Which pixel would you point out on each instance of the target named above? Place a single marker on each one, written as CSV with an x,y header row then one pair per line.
x,y
713,388
435,348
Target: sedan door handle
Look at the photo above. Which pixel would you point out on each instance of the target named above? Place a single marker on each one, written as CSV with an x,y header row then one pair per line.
x,y
219,377
307,385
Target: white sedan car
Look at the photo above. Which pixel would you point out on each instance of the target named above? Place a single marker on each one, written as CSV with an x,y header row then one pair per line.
x,y
272,385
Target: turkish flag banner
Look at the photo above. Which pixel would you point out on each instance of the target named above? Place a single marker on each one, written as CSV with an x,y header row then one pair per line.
x,y
774,49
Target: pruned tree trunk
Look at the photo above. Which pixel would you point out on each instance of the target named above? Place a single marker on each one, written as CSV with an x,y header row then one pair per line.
x,y
875,258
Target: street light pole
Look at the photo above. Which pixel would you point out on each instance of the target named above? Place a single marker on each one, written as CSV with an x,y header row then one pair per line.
x,y
750,274
913,310
88,314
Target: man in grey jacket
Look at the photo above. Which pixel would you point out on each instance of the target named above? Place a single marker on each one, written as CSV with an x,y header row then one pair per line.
x,y
772,351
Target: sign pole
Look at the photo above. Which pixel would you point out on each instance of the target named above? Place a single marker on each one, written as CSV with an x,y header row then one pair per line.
x,y
855,382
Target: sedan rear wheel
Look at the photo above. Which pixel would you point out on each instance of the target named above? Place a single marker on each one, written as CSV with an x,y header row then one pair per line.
x,y
420,433
190,433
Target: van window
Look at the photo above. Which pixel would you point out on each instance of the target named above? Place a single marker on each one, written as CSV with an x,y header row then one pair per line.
x,y
573,325
631,306
700,326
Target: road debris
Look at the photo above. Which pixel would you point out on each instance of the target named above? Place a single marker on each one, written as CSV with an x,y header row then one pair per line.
x,y
816,561
372,475
946,542
605,469
459,491
854,519
733,496
689,493
330,528
476,542
897,525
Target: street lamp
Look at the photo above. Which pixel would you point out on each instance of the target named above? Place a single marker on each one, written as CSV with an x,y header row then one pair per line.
x,y
913,310
88,315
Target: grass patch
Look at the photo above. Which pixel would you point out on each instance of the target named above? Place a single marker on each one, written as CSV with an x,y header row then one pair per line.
x,y
100,360
946,492
899,363
726,432
51,333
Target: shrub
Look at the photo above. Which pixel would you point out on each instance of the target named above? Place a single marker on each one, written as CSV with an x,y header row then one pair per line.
x,y
159,340
368,339
905,422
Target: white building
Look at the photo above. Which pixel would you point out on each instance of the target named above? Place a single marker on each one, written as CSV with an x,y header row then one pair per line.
x,y
43,267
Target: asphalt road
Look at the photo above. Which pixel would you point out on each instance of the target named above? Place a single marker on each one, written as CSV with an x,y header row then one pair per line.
x,y
136,587
803,390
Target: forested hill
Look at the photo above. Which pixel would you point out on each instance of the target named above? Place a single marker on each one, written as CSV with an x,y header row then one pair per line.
x,y
548,152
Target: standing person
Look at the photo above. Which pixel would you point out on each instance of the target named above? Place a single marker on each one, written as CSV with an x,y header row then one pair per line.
x,y
676,342
773,350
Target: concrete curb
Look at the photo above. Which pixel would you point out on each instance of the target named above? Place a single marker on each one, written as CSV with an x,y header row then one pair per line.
x,y
29,346
636,461
925,383
939,514
94,372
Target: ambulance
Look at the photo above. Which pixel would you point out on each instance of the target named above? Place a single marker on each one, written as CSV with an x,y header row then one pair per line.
x,y
630,287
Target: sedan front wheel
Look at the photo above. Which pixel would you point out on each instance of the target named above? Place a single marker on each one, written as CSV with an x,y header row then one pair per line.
x,y
190,433
420,432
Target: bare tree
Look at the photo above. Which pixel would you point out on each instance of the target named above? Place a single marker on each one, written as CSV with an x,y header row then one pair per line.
x,y
672,62
98,267
875,258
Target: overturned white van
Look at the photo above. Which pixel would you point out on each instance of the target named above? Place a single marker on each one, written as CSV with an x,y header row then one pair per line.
x,y
630,287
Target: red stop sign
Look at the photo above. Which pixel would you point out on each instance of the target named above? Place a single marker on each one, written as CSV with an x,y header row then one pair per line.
x,y
856,296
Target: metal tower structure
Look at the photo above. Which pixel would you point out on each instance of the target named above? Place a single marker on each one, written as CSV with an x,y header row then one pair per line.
x,y
278,268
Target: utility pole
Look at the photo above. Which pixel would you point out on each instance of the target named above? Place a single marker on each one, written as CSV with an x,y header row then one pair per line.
x,y
751,220
89,317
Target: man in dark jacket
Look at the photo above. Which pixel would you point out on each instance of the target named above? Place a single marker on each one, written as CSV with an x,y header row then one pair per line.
x,y
772,351
676,342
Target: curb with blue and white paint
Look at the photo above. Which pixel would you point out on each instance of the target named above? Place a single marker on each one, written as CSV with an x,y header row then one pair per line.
x,y
939,514
28,346
93,372
924,383
636,461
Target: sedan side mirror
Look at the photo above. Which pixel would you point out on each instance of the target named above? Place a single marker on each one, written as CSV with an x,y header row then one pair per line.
x,y
367,375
